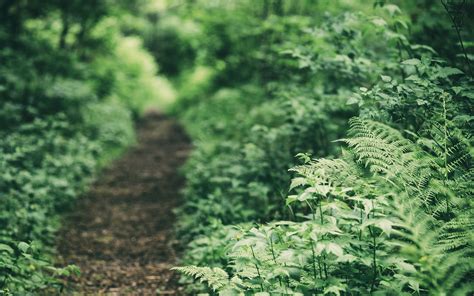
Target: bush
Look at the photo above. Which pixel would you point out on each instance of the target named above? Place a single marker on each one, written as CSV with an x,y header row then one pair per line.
x,y
66,111
372,219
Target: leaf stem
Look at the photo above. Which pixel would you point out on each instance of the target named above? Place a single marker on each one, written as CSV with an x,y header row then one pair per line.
x,y
314,259
258,270
457,28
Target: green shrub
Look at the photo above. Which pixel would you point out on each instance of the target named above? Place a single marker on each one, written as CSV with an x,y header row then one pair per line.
x,y
70,85
44,167
389,215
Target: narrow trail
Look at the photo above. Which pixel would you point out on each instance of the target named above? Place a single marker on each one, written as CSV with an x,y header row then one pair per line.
x,y
121,233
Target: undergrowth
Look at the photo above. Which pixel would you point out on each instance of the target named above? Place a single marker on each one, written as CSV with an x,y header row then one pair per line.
x,y
377,199
71,85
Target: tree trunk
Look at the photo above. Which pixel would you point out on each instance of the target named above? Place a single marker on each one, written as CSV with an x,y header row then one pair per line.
x,y
65,30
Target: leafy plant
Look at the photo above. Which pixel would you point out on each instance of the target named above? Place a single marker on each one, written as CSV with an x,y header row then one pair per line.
x,y
65,111
388,215
367,224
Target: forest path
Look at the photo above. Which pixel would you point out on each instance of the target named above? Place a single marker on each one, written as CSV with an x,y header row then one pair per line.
x,y
121,232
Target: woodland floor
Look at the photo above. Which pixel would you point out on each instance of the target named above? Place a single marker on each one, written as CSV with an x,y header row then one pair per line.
x,y
120,233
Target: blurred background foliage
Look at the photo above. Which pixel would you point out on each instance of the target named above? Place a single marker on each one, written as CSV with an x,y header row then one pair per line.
x,y
72,82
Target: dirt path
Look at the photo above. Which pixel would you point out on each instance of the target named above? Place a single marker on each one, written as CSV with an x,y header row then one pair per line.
x,y
121,233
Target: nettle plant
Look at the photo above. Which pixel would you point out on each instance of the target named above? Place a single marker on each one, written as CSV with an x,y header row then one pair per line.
x,y
392,215
428,90
369,222
303,113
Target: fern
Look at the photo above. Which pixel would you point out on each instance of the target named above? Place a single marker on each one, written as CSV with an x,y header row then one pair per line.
x,y
373,225
215,277
384,149
386,152
459,232
390,215
423,242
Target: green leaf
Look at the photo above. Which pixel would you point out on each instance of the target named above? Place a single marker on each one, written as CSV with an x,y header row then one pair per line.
x,y
379,22
392,10
449,71
335,249
305,157
385,225
424,47
403,24
346,258
412,62
291,198
414,285
296,182
421,102
413,78
333,289
386,78
468,94
406,267
23,247
457,89
352,101
6,248
368,205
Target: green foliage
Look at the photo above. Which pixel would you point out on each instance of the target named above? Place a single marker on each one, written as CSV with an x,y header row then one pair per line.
x,y
256,82
129,75
69,87
43,170
171,42
389,215
215,277
365,225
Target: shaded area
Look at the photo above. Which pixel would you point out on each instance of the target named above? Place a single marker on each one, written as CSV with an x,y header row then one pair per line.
x,y
121,233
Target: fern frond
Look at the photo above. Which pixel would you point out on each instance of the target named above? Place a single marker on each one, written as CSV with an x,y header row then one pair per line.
x,y
215,277
459,232
385,151
326,174
433,249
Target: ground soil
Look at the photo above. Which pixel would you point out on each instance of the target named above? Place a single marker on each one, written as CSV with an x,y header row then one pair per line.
x,y
120,233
